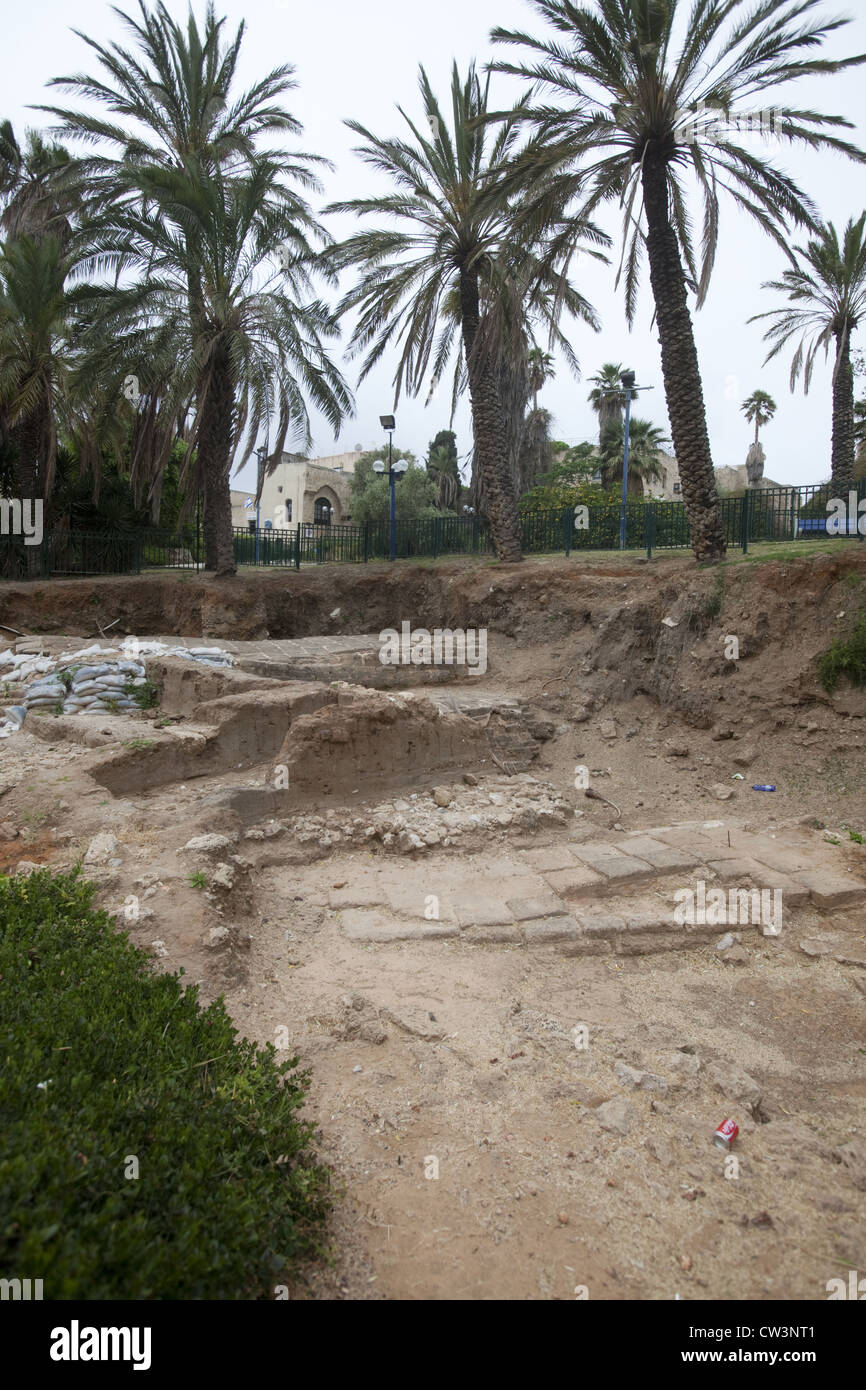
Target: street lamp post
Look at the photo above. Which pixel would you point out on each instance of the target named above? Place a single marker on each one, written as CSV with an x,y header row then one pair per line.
x,y
627,380
395,471
261,454
628,389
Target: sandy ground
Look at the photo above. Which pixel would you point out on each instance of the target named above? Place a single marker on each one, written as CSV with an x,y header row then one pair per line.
x,y
472,1155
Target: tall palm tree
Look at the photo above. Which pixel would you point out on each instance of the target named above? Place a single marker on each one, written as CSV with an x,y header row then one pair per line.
x,y
453,270
635,85
177,149
827,301
607,396
761,408
34,358
253,351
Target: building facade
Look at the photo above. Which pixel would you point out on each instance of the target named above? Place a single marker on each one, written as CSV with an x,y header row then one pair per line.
x,y
310,491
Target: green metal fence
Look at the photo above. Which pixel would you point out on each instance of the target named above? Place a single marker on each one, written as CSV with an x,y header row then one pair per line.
x,y
762,514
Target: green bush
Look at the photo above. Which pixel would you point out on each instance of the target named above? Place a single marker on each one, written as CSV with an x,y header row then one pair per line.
x,y
103,1059
846,657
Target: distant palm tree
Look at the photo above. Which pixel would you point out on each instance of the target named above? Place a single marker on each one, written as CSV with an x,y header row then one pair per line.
x,y
37,190
454,270
633,81
607,396
827,302
541,370
759,407
645,442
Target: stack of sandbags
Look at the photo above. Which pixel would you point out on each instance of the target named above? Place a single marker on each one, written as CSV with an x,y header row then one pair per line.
x,y
101,689
48,693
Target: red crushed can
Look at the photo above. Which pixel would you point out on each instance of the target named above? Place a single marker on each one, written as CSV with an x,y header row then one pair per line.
x,y
726,1134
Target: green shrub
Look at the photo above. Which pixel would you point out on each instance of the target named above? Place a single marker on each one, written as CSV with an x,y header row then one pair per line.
x,y
846,657
102,1059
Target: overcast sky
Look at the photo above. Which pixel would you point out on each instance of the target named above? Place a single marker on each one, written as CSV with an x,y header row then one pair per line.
x,y
359,60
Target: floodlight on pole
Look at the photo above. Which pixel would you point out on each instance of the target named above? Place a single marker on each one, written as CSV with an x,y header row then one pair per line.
x,y
389,424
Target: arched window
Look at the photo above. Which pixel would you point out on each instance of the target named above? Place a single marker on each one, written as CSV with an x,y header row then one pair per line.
x,y
322,512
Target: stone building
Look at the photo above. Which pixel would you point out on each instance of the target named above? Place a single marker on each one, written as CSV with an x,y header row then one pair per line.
x,y
306,490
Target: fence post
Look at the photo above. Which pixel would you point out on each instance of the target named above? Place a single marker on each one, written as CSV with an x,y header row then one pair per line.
x,y
137,553
435,537
568,528
745,520
366,541
298,547
649,528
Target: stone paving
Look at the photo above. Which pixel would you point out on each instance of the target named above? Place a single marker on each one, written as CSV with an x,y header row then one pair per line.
x,y
589,898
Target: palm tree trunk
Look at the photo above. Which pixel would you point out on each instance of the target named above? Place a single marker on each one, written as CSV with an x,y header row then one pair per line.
x,y
680,370
217,408
490,442
843,416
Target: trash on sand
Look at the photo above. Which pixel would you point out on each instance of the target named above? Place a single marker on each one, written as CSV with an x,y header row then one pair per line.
x,y
738,777
763,787
726,1134
670,622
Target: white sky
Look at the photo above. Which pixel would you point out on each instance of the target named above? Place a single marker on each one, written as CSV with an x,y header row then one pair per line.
x,y
359,59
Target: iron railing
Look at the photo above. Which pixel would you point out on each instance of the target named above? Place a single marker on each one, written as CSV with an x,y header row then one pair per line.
x,y
762,514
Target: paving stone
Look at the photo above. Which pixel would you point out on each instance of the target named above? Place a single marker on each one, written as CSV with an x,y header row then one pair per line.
x,y
602,924
544,905
594,851
545,929
741,869
360,924
482,912
549,859
361,895
585,946
641,845
794,893
667,858
576,882
411,901
624,866
493,936
829,890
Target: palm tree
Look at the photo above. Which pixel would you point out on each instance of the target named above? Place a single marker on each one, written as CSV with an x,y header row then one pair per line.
x,y
34,359
759,407
254,349
453,266
636,85
541,370
645,441
607,396
36,187
827,300
175,165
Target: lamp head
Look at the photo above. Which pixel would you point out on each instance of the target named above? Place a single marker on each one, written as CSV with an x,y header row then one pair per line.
x,y
388,423
378,465
627,379
400,466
